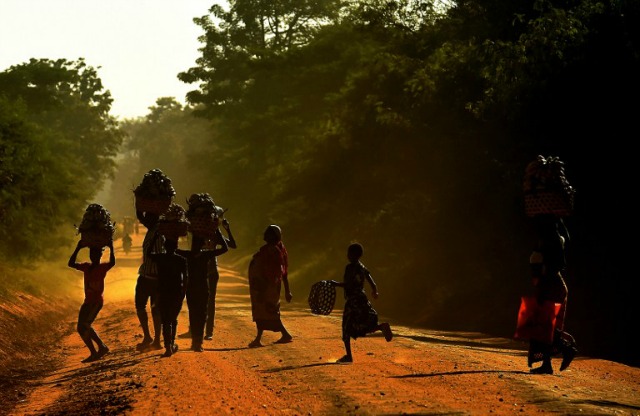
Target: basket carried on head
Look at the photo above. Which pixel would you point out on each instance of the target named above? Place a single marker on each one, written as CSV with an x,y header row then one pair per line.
x,y
548,202
204,226
99,237
173,222
155,193
546,189
173,229
96,228
154,206
204,215
322,298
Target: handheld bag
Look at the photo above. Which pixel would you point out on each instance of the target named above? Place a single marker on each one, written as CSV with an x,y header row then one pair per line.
x,y
322,298
536,321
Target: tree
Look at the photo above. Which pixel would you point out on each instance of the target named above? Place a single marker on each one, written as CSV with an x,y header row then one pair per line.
x,y
57,148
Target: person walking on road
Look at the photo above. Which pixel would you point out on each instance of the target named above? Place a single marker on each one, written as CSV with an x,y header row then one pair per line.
x,y
146,290
95,273
198,290
268,271
173,275
358,318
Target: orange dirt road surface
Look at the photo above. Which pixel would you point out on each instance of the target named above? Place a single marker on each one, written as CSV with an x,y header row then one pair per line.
x,y
419,372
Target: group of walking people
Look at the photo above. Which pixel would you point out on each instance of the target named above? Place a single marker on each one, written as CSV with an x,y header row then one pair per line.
x,y
168,275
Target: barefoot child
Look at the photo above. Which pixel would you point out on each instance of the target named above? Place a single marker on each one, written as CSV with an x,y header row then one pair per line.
x,y
172,284
94,275
198,289
359,318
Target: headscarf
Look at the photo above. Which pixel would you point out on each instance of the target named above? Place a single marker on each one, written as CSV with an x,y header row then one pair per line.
x,y
273,233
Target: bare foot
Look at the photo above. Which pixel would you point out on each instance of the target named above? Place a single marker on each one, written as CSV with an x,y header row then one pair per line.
x,y
345,359
255,344
91,358
386,330
144,344
285,340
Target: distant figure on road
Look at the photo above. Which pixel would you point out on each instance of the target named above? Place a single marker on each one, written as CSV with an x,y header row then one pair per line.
x,y
268,270
547,265
126,243
94,274
173,277
198,285
359,318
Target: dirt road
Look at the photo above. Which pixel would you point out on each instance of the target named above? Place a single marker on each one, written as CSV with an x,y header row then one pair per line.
x,y
418,372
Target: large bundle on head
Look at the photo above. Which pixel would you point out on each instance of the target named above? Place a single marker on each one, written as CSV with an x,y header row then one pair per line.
x,y
154,193
173,222
546,189
96,228
203,215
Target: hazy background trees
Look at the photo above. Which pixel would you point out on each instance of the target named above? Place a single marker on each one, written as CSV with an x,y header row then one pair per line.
x,y
407,126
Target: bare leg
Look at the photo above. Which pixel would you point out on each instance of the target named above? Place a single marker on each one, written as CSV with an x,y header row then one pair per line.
x,y
348,358
157,324
386,330
286,336
143,318
256,342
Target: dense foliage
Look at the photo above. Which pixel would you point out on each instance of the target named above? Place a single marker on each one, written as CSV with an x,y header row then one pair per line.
x,y
407,125
57,145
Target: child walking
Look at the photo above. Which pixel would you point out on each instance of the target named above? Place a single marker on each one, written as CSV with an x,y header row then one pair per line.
x,y
172,282
198,288
358,318
94,274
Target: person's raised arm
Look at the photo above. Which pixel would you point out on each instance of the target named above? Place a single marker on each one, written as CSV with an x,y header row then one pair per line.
x,y
72,260
112,255
231,242
220,240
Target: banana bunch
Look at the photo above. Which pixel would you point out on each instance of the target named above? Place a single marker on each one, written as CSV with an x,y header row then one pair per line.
x,y
155,185
202,205
175,213
546,174
95,218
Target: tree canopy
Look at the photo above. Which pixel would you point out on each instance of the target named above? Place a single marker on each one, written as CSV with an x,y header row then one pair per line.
x,y
57,147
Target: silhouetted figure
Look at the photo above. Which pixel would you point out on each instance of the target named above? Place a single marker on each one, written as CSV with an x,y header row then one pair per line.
x,y
94,274
358,318
198,260
172,284
547,265
147,283
126,243
268,270
214,277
